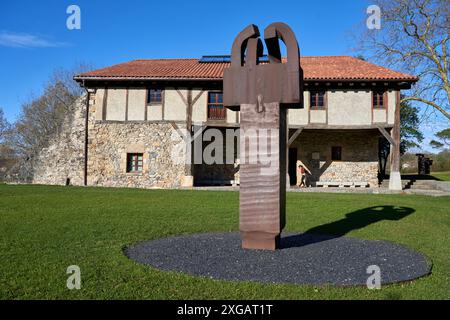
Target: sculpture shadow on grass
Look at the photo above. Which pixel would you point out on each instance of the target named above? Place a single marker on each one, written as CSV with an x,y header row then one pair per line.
x,y
353,221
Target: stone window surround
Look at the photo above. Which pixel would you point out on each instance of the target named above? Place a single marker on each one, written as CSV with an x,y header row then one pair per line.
x,y
135,148
133,162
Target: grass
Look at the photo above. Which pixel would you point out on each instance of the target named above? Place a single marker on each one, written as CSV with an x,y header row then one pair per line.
x,y
45,229
443,176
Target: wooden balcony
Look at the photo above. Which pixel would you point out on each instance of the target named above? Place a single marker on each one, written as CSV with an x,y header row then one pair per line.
x,y
217,112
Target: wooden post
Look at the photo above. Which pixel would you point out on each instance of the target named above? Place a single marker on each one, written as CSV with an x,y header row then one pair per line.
x,y
187,180
86,139
188,166
395,180
262,185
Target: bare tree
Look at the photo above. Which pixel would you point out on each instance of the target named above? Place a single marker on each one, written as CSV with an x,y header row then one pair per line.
x,y
41,118
4,125
414,38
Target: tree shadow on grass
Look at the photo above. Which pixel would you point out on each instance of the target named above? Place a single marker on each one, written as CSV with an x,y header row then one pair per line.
x,y
353,221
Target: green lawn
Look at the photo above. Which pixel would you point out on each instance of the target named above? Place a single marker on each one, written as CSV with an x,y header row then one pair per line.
x,y
44,229
444,175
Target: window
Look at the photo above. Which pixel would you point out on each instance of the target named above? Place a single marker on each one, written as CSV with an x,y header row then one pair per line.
x,y
154,96
336,153
379,100
317,100
216,110
135,162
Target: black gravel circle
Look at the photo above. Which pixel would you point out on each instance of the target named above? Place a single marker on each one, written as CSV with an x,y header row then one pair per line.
x,y
302,259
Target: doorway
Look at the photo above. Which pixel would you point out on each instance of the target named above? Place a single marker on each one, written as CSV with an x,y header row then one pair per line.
x,y
292,166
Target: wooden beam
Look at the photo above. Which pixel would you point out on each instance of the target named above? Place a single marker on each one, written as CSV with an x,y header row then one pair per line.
x,y
182,97
317,126
395,150
189,103
126,105
197,97
294,136
105,103
189,111
86,138
386,135
175,126
395,179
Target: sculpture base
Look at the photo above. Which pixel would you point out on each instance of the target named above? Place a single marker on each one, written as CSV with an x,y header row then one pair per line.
x,y
260,240
303,259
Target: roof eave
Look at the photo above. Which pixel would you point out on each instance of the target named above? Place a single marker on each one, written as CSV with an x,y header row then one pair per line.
x,y
90,78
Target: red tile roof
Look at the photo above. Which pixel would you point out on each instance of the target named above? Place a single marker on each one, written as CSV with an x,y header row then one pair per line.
x,y
340,68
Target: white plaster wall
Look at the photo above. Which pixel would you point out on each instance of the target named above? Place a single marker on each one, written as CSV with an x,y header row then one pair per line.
x,y
231,116
154,112
392,101
318,116
199,112
174,107
99,104
115,105
349,107
300,116
344,108
379,115
136,104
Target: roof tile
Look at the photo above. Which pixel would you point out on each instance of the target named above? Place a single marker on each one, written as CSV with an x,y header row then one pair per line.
x,y
344,68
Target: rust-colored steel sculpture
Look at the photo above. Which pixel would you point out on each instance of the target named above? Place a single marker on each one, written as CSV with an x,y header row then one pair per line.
x,y
263,93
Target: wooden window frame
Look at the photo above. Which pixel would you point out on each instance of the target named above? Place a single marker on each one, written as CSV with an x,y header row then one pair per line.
x,y
208,104
147,97
316,98
332,153
376,94
131,156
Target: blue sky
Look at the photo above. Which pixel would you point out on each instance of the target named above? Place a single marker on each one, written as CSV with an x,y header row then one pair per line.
x,y
34,38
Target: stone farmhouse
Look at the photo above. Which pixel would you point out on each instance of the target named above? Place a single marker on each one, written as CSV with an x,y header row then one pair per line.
x,y
137,110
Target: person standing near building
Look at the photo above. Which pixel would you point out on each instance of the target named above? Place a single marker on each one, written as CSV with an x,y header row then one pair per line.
x,y
301,173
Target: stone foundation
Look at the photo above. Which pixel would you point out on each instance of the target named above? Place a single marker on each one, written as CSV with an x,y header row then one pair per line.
x,y
108,144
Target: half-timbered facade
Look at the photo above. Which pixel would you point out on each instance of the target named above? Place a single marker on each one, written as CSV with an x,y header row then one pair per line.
x,y
137,110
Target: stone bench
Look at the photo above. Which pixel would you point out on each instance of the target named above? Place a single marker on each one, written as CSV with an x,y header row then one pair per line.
x,y
326,184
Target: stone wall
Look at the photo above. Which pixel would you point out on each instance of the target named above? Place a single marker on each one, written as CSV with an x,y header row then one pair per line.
x,y
63,161
108,144
163,153
359,155
162,148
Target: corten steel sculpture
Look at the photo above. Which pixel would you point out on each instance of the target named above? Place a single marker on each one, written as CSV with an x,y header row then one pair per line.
x,y
263,93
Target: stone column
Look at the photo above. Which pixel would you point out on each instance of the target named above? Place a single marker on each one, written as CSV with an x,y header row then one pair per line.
x,y
262,184
395,180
